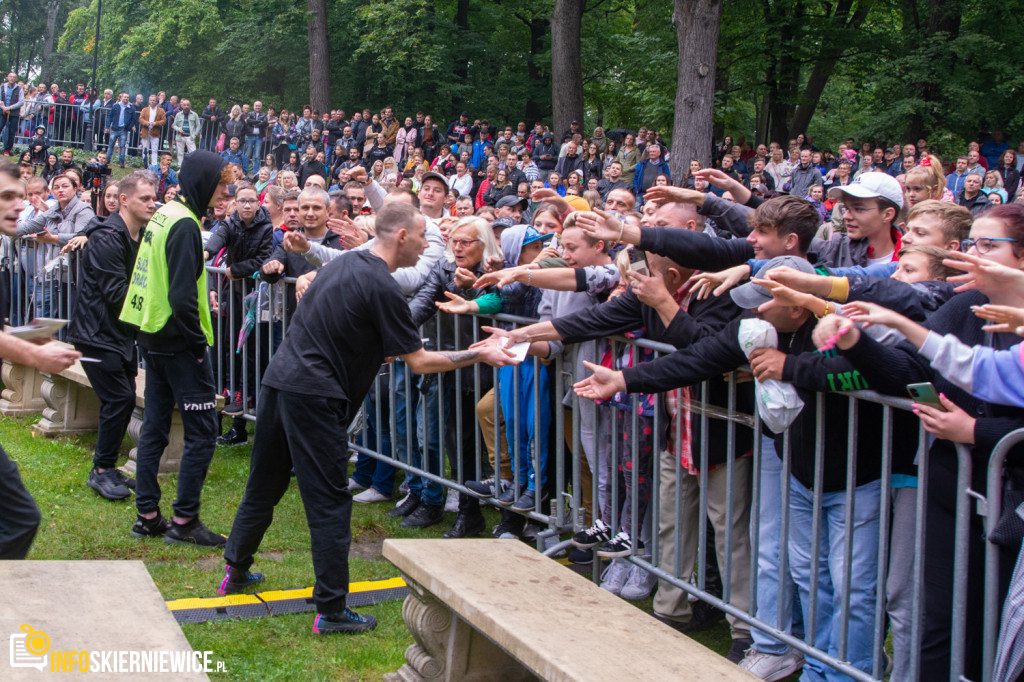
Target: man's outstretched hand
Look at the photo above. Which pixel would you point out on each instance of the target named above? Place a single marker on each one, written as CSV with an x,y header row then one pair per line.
x,y
601,385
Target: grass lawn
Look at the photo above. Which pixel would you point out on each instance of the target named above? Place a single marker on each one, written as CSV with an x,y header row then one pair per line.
x,y
78,524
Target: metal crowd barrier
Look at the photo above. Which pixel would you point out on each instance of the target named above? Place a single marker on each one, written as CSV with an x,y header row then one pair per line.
x,y
463,456
83,127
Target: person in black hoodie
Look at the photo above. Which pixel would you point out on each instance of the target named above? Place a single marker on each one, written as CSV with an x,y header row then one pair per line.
x,y
812,373
247,238
167,300
95,330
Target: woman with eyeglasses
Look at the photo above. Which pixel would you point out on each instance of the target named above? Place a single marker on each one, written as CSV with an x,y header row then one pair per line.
x,y
471,243
997,236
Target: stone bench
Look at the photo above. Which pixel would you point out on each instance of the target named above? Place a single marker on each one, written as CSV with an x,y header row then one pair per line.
x,y
69,604
497,610
69,406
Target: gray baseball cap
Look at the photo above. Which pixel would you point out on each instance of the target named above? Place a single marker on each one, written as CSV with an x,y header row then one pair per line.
x,y
752,296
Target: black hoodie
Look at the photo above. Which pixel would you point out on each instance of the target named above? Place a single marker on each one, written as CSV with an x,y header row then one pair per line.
x,y
198,179
107,263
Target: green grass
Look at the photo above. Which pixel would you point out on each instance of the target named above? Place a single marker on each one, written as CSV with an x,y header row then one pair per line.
x,y
78,524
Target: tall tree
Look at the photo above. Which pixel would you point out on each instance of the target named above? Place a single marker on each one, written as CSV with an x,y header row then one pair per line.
x,y
697,25
319,56
566,72
52,7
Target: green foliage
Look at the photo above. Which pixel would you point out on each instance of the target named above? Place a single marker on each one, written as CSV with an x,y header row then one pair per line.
x,y
892,74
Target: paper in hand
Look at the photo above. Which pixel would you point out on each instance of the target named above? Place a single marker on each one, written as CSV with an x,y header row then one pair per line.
x,y
518,350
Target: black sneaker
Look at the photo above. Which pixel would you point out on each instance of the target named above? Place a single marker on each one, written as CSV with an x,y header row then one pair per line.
x,y
738,649
467,524
236,407
510,528
485,488
407,506
233,436
527,502
424,515
193,533
507,497
127,482
236,580
619,546
581,557
343,622
108,484
149,528
595,535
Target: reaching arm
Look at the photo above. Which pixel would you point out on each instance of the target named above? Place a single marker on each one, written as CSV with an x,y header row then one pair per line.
x,y
428,362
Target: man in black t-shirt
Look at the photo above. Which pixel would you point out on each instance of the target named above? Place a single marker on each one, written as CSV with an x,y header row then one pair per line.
x,y
311,391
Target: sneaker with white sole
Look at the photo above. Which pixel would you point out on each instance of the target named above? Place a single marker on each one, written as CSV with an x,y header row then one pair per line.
x,y
485,488
639,585
355,486
772,667
614,577
369,496
595,535
618,546
451,503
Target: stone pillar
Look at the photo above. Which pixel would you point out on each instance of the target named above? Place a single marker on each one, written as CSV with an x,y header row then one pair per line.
x,y
448,648
70,407
170,461
22,392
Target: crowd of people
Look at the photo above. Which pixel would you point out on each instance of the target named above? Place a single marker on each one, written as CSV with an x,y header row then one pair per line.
x,y
832,259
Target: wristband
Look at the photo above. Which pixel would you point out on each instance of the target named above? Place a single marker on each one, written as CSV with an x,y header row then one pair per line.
x,y
840,289
529,278
827,311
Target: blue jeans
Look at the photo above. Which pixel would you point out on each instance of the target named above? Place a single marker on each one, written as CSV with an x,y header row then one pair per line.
x,y
526,424
371,472
410,402
116,135
251,150
863,572
769,513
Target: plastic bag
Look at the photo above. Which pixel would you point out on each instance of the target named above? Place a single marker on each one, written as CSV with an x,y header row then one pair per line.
x,y
777,402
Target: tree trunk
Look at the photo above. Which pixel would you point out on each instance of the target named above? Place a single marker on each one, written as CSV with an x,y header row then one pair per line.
x,y
52,7
830,54
538,29
697,24
319,57
566,71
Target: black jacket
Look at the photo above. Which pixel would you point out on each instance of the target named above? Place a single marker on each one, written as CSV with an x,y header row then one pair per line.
x,y
256,120
916,301
248,248
703,319
106,269
891,368
440,280
200,174
812,373
295,264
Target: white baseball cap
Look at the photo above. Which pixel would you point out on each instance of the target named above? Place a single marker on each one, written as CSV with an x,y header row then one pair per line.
x,y
873,185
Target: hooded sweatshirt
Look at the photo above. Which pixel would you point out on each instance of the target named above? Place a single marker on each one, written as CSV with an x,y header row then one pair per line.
x,y
199,177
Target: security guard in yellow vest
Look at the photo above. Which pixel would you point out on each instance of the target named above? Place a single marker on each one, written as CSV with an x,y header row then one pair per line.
x,y
167,300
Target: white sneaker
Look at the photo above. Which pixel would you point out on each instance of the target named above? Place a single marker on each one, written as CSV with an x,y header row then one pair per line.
x,y
451,504
772,667
615,575
639,585
369,496
354,487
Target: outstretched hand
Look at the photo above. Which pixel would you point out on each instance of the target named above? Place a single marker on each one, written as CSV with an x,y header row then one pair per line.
x,y
601,385
1004,318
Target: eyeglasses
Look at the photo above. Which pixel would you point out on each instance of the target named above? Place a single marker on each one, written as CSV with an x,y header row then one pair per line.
x,y
246,201
464,243
983,244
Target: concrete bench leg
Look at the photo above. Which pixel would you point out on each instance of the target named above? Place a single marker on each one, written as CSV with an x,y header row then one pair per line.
x,y
170,461
448,648
70,408
23,390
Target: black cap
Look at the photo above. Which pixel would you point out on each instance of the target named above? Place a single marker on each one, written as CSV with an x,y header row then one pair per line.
x,y
512,200
504,223
464,113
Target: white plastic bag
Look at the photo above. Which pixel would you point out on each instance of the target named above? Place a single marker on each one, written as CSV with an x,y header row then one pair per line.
x,y
777,402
